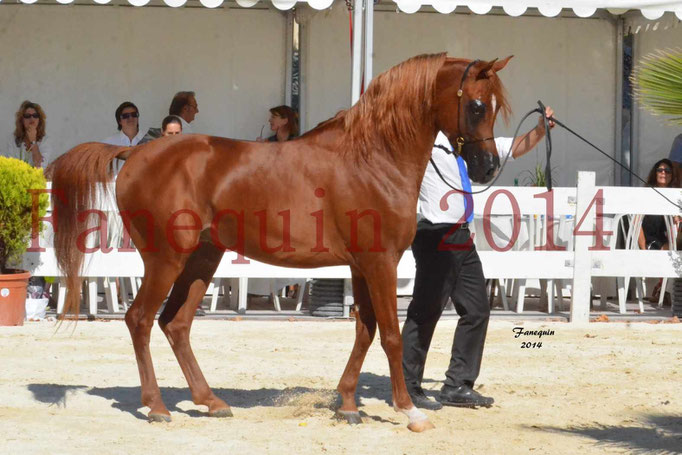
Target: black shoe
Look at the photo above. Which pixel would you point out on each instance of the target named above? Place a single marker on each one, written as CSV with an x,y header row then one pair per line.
x,y
420,400
464,397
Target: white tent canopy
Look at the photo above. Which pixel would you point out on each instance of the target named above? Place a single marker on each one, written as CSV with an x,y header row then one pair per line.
x,y
651,9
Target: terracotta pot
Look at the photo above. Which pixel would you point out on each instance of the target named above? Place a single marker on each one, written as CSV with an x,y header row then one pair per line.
x,y
13,297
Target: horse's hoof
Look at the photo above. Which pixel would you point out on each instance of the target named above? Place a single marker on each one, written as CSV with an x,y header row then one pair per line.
x,y
420,426
225,412
159,417
351,417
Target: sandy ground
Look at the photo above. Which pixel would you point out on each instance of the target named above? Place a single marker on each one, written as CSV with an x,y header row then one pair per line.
x,y
602,388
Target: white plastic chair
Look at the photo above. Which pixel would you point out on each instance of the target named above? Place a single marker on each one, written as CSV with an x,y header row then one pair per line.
x,y
273,286
632,242
536,227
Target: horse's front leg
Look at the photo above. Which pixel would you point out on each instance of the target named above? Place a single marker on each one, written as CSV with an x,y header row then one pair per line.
x,y
382,280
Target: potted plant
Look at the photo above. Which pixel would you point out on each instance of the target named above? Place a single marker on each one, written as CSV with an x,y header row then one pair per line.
x,y
535,177
657,83
16,218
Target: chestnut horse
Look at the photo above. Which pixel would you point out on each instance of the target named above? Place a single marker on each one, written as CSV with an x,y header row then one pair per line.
x,y
344,193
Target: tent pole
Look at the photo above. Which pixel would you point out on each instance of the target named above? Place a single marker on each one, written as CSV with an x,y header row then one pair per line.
x,y
356,75
289,58
369,40
620,178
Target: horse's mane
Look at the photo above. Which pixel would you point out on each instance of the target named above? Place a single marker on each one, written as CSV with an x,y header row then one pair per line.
x,y
394,105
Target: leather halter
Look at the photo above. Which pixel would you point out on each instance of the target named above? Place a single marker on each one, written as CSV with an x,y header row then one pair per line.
x,y
460,142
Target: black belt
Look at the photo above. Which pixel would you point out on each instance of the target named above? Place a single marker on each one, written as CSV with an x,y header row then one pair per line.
x,y
426,224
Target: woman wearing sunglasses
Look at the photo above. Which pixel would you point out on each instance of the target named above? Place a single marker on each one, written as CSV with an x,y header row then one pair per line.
x,y
128,121
29,142
129,132
654,233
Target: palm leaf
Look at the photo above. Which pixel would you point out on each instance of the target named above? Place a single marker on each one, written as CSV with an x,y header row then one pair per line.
x,y
657,82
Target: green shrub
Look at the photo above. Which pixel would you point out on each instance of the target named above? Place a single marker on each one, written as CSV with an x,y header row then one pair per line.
x,y
16,204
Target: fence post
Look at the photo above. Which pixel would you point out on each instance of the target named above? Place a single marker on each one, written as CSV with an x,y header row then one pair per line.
x,y
582,259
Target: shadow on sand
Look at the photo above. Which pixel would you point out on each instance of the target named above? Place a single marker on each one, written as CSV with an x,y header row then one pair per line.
x,y
127,399
656,434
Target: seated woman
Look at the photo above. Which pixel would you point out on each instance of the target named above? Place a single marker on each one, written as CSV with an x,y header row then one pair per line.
x,y
284,123
129,133
171,126
29,142
128,121
654,232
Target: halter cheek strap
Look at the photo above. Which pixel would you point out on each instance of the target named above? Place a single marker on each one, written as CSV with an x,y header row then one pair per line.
x,y
460,141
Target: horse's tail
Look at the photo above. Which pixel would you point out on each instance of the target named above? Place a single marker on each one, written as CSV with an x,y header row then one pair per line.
x,y
75,179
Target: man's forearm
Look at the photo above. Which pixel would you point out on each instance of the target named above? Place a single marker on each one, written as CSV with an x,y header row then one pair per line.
x,y
527,142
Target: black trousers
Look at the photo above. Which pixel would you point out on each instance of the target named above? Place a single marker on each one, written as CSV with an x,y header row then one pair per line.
x,y
445,268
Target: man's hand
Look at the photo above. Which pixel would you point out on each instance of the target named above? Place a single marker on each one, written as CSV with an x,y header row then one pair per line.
x,y
549,112
525,143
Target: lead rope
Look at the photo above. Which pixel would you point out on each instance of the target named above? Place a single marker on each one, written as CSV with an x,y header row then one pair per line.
x,y
504,163
548,146
612,159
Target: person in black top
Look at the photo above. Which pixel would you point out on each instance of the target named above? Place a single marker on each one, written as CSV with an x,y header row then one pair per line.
x,y
654,235
284,123
654,232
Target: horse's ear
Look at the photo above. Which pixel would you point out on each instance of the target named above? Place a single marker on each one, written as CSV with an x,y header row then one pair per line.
x,y
493,67
500,64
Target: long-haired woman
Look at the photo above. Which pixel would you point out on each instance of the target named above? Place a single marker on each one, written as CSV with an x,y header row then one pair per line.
x,y
29,141
654,232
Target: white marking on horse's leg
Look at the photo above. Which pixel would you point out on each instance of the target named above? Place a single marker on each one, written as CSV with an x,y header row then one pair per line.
x,y
414,414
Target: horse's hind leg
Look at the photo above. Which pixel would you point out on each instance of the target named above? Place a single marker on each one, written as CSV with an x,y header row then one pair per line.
x,y
176,322
158,278
365,328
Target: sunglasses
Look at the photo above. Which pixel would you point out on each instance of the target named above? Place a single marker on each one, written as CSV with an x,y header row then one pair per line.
x,y
28,116
664,170
127,115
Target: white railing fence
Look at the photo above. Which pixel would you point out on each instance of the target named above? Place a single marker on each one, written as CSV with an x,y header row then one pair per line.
x,y
511,231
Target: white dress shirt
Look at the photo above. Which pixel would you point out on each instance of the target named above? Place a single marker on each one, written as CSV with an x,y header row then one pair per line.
x,y
122,140
433,188
186,128
11,150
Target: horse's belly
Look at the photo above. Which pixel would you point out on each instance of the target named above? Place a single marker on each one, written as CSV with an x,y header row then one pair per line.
x,y
295,259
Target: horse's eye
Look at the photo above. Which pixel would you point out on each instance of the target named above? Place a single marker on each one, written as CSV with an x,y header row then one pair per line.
x,y
477,108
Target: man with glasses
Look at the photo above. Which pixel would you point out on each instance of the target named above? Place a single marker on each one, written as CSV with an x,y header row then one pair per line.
x,y
184,106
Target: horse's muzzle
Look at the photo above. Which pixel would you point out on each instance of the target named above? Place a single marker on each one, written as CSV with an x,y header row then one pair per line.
x,y
482,165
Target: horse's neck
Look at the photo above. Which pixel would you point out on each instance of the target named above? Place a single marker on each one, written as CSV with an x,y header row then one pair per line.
x,y
408,163
405,161
414,152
